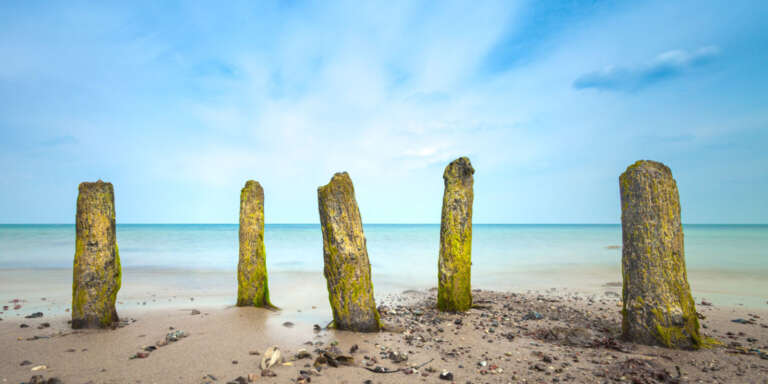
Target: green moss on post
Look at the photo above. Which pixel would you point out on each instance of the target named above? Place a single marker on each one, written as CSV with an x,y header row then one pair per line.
x,y
454,292
96,274
347,268
252,288
658,306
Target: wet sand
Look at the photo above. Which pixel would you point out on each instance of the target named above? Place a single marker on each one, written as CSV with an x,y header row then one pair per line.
x,y
147,288
500,341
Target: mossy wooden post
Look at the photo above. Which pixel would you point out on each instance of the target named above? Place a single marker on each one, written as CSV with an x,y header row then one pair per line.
x,y
252,288
96,272
347,269
658,306
454,293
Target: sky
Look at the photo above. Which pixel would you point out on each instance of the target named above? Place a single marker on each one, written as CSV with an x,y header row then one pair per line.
x,y
179,103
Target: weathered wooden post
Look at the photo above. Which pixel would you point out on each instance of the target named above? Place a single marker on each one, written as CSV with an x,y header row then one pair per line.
x,y
347,269
96,271
658,306
454,292
252,288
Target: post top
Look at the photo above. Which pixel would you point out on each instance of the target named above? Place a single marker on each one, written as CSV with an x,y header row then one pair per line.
x,y
460,168
98,185
337,179
649,166
250,184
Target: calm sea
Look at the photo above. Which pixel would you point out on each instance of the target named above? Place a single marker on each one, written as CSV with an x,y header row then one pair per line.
x,y
726,262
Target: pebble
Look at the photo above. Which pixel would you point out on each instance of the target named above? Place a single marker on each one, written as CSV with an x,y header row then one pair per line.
x,y
446,375
34,315
533,315
39,379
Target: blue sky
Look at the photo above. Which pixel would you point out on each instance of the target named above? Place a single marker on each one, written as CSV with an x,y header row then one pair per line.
x,y
179,103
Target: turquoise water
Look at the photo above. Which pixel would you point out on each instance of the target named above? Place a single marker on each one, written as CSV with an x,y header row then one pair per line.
x,y
726,263
391,247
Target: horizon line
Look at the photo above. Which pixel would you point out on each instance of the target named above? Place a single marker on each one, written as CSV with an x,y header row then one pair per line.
x,y
374,223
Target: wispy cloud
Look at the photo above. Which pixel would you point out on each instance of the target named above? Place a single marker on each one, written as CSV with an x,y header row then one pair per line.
x,y
179,104
665,66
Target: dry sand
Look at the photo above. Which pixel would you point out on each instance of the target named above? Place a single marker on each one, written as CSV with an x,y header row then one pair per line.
x,y
500,341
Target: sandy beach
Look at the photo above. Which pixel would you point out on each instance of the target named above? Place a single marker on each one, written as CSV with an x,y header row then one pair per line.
x,y
533,337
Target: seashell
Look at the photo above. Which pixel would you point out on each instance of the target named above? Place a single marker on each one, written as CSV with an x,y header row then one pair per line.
x,y
271,357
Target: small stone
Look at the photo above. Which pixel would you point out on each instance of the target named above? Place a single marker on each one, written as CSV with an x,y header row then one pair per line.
x,y
288,324
446,375
533,315
25,362
302,354
34,315
267,373
194,312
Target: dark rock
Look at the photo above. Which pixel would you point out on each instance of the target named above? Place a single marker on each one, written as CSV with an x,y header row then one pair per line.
x,y
446,375
303,354
140,355
533,315
34,315
268,373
